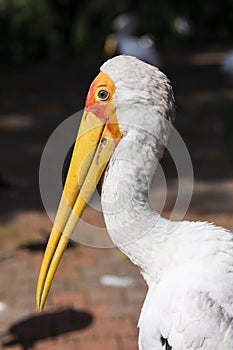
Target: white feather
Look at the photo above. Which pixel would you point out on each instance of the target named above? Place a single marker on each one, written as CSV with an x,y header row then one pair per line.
x,y
188,266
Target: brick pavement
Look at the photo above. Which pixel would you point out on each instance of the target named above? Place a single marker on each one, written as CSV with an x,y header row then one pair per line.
x,y
113,312
80,312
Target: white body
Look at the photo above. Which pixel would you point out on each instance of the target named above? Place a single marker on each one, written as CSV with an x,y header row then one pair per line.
x,y
189,270
141,47
188,266
227,63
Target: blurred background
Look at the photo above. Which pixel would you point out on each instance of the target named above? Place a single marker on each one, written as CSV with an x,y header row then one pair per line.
x,y
50,51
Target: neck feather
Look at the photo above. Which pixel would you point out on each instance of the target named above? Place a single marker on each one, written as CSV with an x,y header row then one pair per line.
x,y
130,221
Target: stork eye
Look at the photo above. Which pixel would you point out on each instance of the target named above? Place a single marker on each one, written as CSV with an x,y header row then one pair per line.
x,y
103,95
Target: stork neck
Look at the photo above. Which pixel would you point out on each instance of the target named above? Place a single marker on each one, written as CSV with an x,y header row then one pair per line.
x,y
129,219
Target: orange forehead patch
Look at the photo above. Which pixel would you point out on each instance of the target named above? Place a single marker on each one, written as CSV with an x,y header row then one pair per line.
x,y
103,110
101,82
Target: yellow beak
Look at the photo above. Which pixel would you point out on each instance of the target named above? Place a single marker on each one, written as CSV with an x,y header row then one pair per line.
x,y
96,141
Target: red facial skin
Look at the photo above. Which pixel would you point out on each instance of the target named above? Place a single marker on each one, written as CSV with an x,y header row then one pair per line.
x,y
94,106
104,110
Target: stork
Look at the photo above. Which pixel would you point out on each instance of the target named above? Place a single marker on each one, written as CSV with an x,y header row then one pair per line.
x,y
124,41
189,266
226,67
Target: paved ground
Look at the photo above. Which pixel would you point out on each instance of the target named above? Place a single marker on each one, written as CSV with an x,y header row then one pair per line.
x,y
81,312
95,316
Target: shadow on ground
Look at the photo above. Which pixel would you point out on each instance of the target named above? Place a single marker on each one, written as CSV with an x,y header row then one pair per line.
x,y
40,245
31,330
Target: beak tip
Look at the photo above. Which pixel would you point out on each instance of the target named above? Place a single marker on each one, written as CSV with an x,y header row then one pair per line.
x,y
39,305
40,308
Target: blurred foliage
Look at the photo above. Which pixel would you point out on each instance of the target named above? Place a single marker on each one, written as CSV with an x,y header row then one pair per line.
x,y
33,29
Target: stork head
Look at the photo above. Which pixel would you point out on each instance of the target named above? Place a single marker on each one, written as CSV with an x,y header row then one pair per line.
x,y
138,86
124,87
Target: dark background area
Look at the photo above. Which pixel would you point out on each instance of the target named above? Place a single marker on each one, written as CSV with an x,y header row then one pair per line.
x,y
42,29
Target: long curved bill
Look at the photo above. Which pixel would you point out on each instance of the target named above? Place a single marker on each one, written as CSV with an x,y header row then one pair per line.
x,y
96,141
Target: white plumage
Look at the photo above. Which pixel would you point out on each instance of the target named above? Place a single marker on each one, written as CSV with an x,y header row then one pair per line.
x,y
188,266
226,67
141,47
128,43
